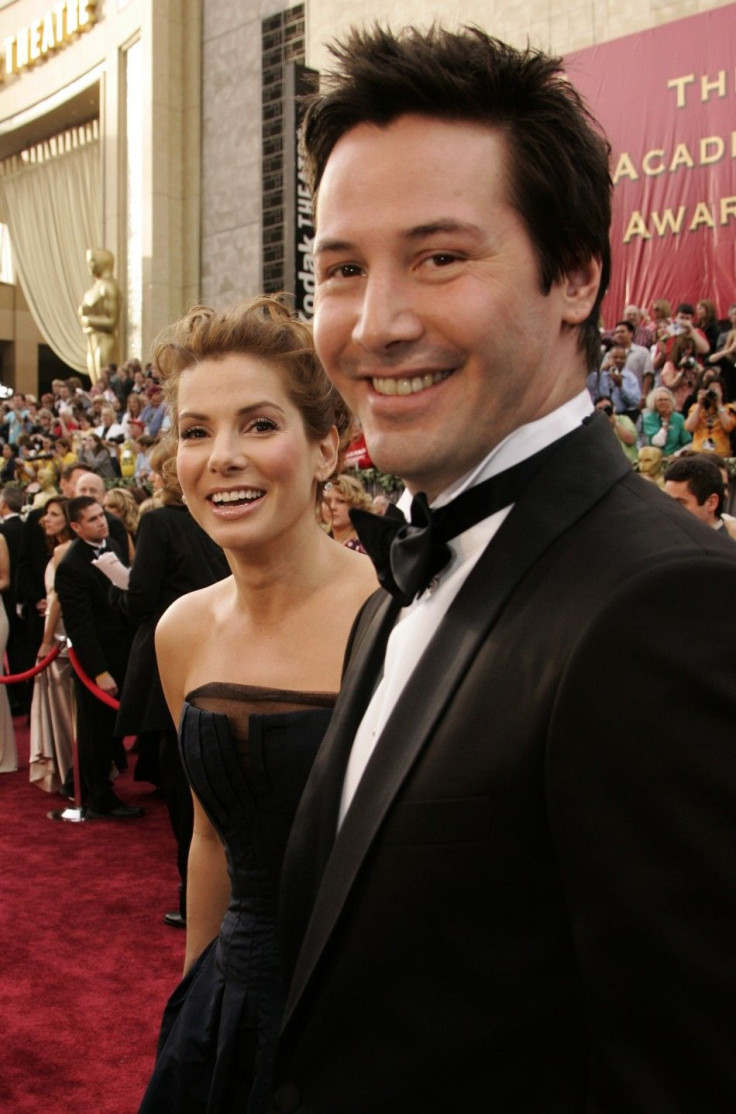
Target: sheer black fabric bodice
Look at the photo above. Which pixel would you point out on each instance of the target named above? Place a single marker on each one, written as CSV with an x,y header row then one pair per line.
x,y
247,753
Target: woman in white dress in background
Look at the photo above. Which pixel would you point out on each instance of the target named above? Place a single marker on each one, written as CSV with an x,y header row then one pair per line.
x,y
52,708
8,753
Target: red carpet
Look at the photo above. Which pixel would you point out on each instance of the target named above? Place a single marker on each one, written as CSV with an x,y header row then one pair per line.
x,y
87,963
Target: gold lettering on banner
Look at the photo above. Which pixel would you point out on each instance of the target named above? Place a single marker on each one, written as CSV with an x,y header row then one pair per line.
x,y
728,209
702,215
55,28
719,85
680,84
624,168
646,162
719,149
710,149
667,223
682,157
637,227
708,85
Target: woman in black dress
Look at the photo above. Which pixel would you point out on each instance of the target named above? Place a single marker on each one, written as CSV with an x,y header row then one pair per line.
x,y
250,668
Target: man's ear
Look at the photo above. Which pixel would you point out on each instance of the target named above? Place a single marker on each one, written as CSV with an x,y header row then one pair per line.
x,y
75,527
712,503
579,291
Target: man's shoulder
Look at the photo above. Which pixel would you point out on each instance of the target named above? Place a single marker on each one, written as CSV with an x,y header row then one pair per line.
x,y
72,557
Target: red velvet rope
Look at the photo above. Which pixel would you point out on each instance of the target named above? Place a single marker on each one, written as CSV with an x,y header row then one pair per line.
x,y
32,672
89,683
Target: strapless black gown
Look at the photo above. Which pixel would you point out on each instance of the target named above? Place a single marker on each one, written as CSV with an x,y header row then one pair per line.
x,y
247,753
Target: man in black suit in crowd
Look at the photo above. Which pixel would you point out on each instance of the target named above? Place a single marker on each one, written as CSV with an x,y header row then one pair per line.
x,y
20,655
34,555
100,637
510,884
90,484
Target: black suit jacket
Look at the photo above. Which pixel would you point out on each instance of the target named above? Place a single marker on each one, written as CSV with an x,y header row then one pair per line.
x,y
173,556
529,905
33,556
99,633
12,530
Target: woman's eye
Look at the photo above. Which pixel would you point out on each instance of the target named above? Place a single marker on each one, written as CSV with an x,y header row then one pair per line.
x,y
192,433
263,425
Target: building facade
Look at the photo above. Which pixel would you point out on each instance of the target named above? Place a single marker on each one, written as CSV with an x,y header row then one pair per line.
x,y
185,111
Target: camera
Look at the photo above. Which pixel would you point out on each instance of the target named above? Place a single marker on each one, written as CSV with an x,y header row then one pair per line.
x,y
607,409
710,398
688,362
118,440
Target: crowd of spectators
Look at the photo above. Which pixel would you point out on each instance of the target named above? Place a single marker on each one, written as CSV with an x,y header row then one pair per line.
x,y
667,383
109,427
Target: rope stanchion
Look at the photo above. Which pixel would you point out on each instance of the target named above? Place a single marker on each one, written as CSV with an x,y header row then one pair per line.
x,y
90,684
37,668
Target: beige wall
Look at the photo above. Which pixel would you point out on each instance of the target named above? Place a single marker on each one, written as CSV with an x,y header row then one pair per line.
x,y
557,25
18,327
231,148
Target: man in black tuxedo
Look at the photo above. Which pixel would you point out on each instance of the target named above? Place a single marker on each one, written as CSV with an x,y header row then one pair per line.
x,y
100,637
510,883
34,555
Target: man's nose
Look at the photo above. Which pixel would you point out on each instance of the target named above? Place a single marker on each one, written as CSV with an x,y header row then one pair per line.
x,y
389,313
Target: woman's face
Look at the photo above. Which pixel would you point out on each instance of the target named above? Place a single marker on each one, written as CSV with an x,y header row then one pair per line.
x,y
53,520
111,508
663,404
7,452
339,509
245,464
134,405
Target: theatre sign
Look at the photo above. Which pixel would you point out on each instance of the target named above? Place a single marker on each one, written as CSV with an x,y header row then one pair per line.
x,y
52,30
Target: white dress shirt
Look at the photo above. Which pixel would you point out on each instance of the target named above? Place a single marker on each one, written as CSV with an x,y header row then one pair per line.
x,y
417,623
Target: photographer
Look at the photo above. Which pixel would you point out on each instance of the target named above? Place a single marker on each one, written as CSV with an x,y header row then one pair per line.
x,y
681,372
623,427
617,383
95,456
709,420
683,325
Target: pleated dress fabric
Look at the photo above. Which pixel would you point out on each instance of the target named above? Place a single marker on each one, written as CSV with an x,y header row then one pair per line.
x,y
247,753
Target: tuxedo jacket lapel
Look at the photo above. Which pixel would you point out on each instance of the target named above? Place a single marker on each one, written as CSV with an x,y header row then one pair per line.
x,y
574,480
315,823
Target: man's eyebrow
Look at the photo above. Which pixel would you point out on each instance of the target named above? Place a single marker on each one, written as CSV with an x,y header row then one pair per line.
x,y
416,232
243,411
420,231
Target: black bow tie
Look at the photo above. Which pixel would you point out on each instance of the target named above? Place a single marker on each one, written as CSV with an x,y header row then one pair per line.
x,y
407,556
99,549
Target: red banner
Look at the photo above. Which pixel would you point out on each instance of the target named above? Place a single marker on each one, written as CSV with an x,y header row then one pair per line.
x,y
667,101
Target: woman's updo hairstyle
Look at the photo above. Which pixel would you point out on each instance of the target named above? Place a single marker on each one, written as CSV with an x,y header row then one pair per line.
x,y
266,328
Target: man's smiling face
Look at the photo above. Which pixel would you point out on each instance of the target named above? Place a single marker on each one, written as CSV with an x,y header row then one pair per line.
x,y
430,317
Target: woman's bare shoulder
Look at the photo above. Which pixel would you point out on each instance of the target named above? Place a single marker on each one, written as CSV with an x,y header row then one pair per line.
x,y
355,574
191,614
